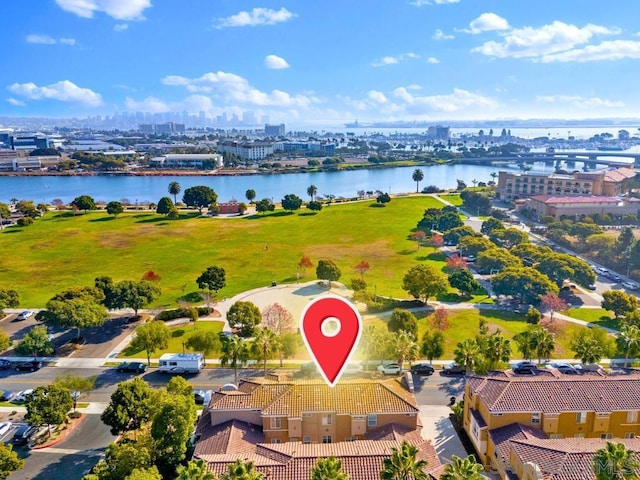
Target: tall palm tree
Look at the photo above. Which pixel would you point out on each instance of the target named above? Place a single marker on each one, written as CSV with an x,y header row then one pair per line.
x,y
405,347
175,189
615,462
265,345
468,354
498,349
194,470
234,352
329,468
312,190
629,341
462,469
240,470
493,176
403,464
417,177
542,342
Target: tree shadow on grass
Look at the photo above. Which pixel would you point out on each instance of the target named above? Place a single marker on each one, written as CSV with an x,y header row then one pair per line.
x,y
502,315
103,219
406,251
156,219
435,256
12,230
192,297
307,214
177,333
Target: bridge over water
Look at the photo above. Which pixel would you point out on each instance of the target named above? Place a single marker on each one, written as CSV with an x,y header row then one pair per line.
x,y
588,157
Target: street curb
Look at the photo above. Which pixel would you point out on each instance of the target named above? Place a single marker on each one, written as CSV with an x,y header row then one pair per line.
x,y
62,437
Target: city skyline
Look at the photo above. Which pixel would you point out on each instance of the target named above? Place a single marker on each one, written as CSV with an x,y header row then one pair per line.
x,y
322,63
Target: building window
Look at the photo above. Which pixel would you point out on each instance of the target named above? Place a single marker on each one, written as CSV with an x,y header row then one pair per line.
x,y
535,419
632,416
372,420
275,440
306,439
579,435
276,424
581,417
606,436
326,419
629,435
555,436
294,439
326,439
350,439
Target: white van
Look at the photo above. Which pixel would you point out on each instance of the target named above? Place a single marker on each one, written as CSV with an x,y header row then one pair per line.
x,y
181,363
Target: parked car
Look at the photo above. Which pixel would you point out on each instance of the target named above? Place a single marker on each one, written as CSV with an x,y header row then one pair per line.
x,y
422,369
5,427
390,369
135,367
615,278
524,368
6,395
198,396
23,434
591,287
353,368
565,368
453,369
30,366
21,397
5,364
24,315
630,285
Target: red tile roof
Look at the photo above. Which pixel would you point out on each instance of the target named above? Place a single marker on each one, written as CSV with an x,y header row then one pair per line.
x,y
619,174
502,437
577,199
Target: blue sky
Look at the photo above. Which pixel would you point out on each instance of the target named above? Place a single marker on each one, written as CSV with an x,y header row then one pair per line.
x,y
323,62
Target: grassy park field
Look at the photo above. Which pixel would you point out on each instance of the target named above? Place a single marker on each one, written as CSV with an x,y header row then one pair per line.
x,y
64,250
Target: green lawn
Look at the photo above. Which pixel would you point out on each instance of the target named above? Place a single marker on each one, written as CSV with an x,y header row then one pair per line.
x,y
453,198
179,334
62,250
597,316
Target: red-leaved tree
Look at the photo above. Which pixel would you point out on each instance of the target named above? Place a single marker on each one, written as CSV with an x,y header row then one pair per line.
x,y
304,263
553,303
418,236
151,276
441,319
436,241
362,268
456,262
277,318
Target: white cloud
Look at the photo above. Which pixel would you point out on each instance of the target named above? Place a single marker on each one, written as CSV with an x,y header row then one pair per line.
x,y
422,3
149,104
41,39
458,100
433,60
15,102
232,87
120,27
275,62
377,97
389,60
118,9
580,102
63,91
68,41
257,16
488,22
440,35
610,50
530,42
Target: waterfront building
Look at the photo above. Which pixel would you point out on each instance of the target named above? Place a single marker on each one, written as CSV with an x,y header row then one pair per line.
x,y
187,160
284,425
568,207
508,417
246,150
303,146
30,141
27,163
274,130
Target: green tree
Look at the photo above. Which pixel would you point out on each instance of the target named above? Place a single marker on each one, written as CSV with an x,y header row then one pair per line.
x,y
591,345
78,386
265,205
328,270
619,302
84,202
240,470
424,281
264,346
314,206
526,284
9,298
151,336
463,280
114,208
403,464
171,429
129,407
75,308
417,177
533,315
207,342
9,461
5,340
250,194
404,347
312,190
382,199
463,469
432,345
195,469
470,245
121,459
402,319
497,259
468,354
135,294
288,345
174,189
212,279
164,206
629,341
491,224
329,468
5,214
27,209
498,349
374,343
199,197
48,406
291,202
150,473
615,462
243,317
234,353
35,342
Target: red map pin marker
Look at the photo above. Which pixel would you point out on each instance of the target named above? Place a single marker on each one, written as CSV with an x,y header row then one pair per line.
x,y
331,329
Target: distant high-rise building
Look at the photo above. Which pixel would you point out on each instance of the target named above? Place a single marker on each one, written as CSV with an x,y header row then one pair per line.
x,y
235,120
274,130
146,128
248,118
221,119
202,118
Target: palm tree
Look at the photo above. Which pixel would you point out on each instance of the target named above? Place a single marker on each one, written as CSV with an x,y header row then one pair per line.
x,y
475,182
194,470
542,342
250,194
417,176
587,349
615,462
467,354
234,351
405,347
498,349
240,470
493,176
629,341
462,469
328,469
174,189
265,345
374,343
312,190
403,464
